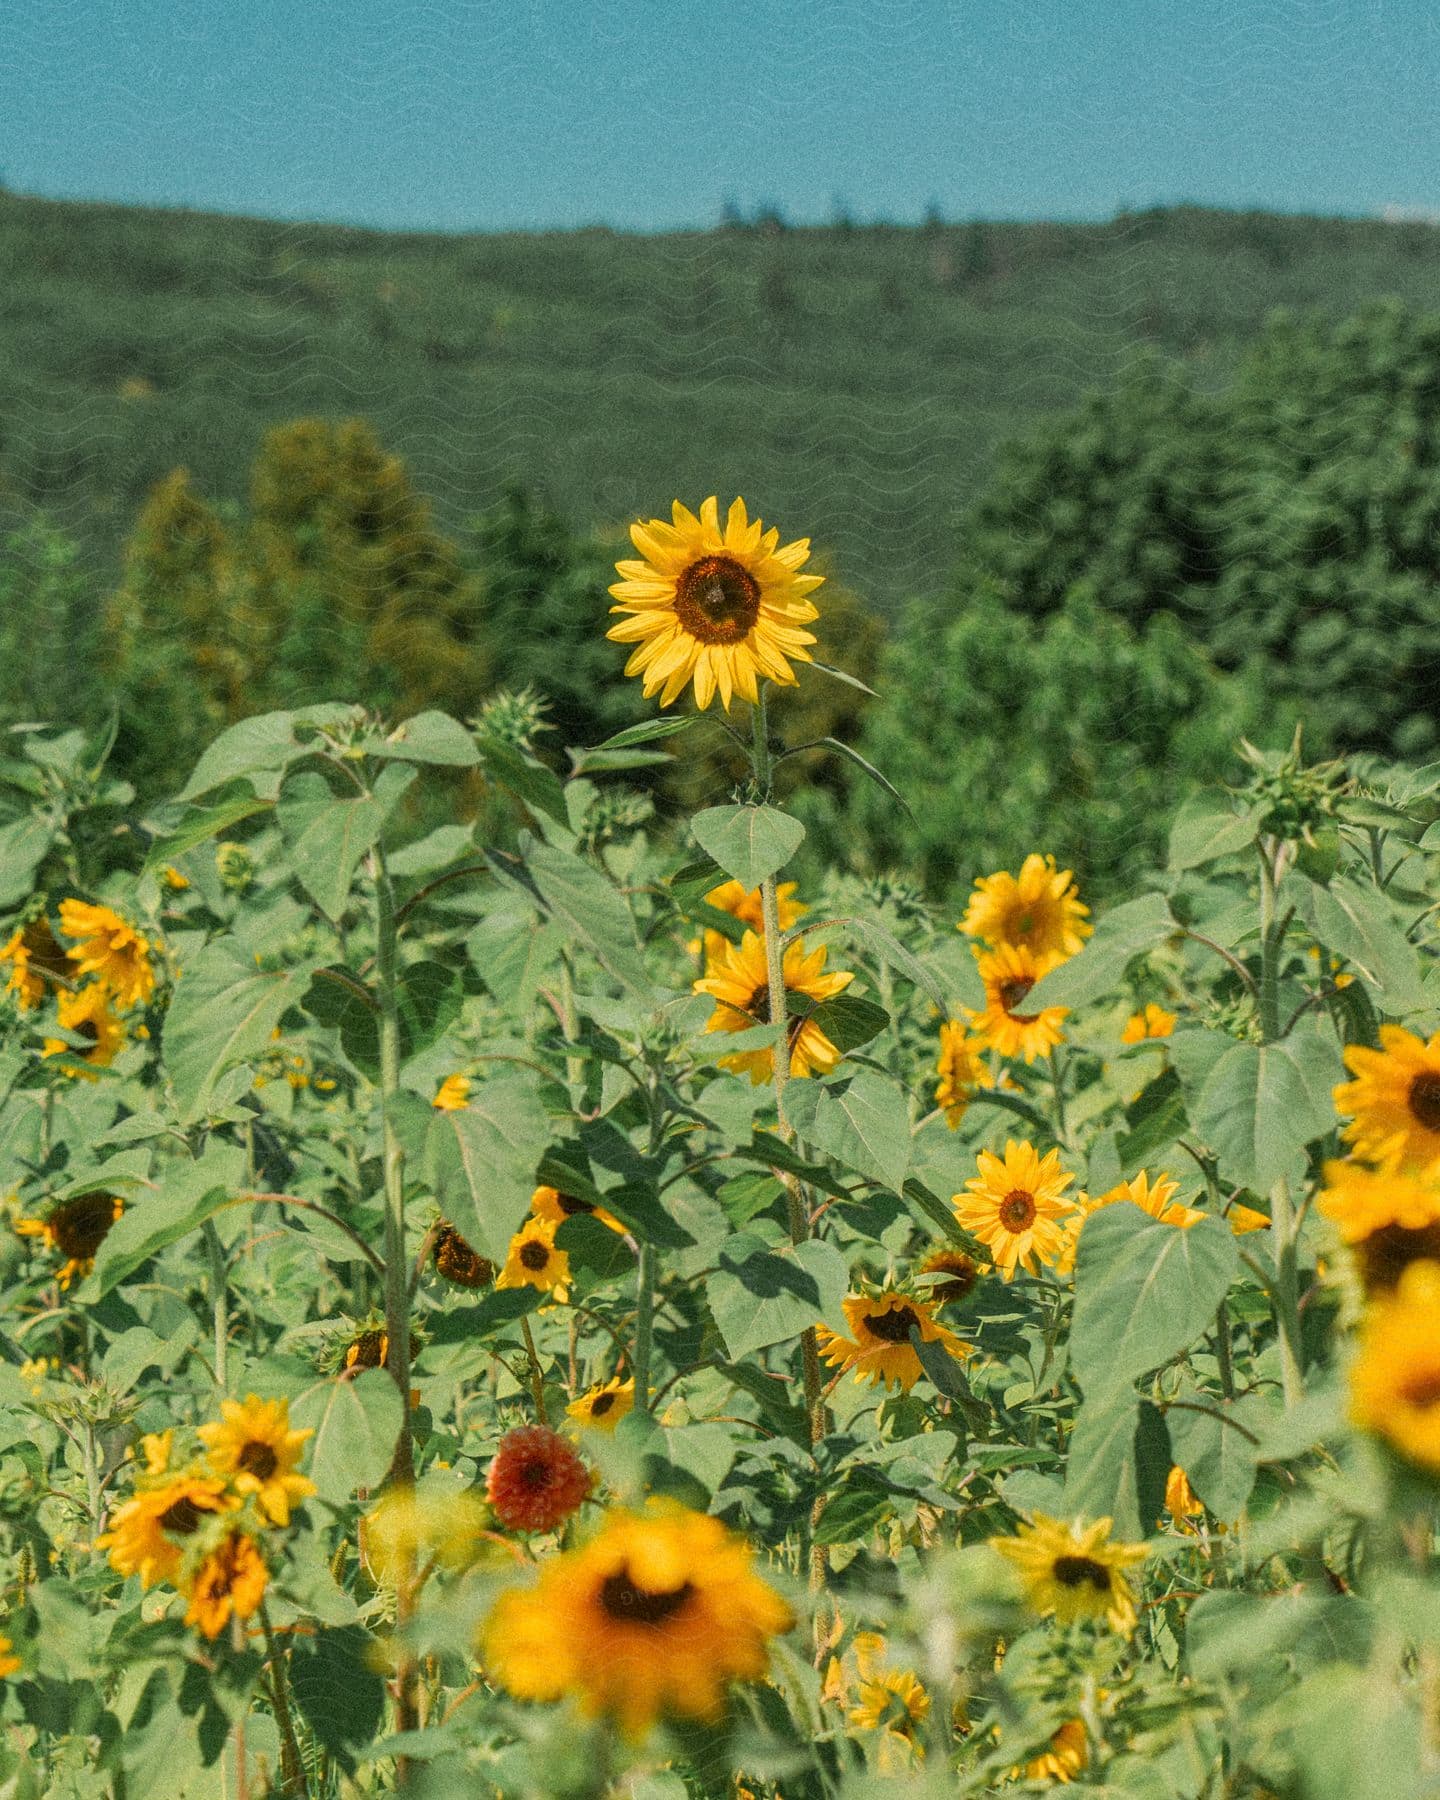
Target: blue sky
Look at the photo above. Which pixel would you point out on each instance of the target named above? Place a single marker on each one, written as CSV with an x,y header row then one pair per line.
x,y
649,114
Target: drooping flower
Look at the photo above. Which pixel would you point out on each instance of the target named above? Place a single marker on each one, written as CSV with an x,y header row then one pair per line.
x,y
1152,1022
458,1260
230,1583
723,608
962,1070
369,1349
1395,1378
601,1408
253,1448
147,1533
1038,911
88,1014
1394,1100
110,950
880,1349
535,1481
453,1094
1009,972
1017,1207
656,1615
75,1229
1074,1571
955,1272
1389,1220
533,1261
555,1208
739,984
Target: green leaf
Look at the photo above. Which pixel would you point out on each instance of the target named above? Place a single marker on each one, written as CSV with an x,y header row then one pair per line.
x,y
340,1697
480,1161
1120,936
888,949
748,842
1118,1460
260,746
328,826
847,1020
199,823
190,1193
1355,921
1156,1118
863,1123
842,676
356,1422
430,737
23,845
761,1296
1217,1453
1143,1292
775,1153
224,1009
428,998
528,779
851,754
648,730
588,905
1261,1103
1206,828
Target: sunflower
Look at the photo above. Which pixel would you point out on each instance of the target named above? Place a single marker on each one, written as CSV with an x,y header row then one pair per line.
x,y
535,1481
739,983
744,904
75,1228
1152,1022
1017,1207
230,1583
962,1070
143,1532
9,1662
369,1349
23,981
88,1014
1181,1501
894,1703
109,949
1073,1571
1037,911
602,1408
533,1261
957,1274
1245,1219
253,1447
1154,1199
880,1349
1388,1220
723,607
1067,1754
453,1094
459,1261
1009,972
555,1208
656,1615
1395,1378
1394,1100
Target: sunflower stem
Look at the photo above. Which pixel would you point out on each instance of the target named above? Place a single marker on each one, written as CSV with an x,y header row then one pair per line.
x,y
1223,1356
292,1765
219,1303
644,1326
1269,946
1057,1081
1284,1292
537,1380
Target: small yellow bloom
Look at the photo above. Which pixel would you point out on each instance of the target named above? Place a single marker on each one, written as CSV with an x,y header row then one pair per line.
x,y
1074,1571
253,1447
9,1662
453,1094
1245,1219
230,1583
1152,1022
533,1261
88,1014
602,1408
962,1070
1038,911
111,950
174,879
1181,1501
410,1527
1067,1755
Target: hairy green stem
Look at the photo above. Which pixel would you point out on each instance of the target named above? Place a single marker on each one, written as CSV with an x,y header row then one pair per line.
x,y
397,1296
1269,947
219,1303
537,1379
644,1326
1285,1293
292,1765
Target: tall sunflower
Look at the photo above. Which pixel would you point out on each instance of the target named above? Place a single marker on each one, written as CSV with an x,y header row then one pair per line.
x,y
109,949
1154,1198
87,1012
253,1447
1394,1100
601,1408
962,1070
1387,1220
1016,1206
1395,1378
1009,972
1038,910
880,1349
656,1615
1074,1571
721,607
739,983
75,1229
533,1261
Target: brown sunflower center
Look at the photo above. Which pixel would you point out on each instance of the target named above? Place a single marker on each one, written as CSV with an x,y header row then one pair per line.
x,y
638,1606
601,1405
459,1262
368,1351
1017,1210
258,1459
570,1204
79,1225
536,1473
892,1327
1011,992
1422,1389
1388,1252
534,1255
717,601
1425,1099
182,1517
1077,1571
90,1031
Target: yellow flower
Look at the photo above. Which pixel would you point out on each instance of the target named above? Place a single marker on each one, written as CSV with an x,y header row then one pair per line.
x,y
894,1703
957,1274
602,1408
961,1068
739,983
253,1447
9,1662
1073,1571
1009,973
1395,1100
744,904
453,1094
87,1013
1067,1755
34,957
1395,1378
1153,1022
410,1527
230,1583
1181,1500
1245,1219
173,878
721,607
555,1208
1017,1207
75,1228
533,1261
143,1532
110,950
880,1350
1388,1220
656,1615
1039,911
156,1447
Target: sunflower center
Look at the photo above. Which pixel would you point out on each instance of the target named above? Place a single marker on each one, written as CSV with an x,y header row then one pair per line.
x,y
601,1405
1425,1099
1010,993
1077,1571
1017,1210
570,1204
892,1327
182,1517
80,1225
717,601
536,1473
1422,1389
534,1255
1388,1252
636,1605
89,1030
258,1459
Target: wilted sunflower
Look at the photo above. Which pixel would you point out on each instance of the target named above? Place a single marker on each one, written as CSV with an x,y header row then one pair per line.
x,y
739,983
1152,1022
555,1208
230,1583
453,1094
962,1070
253,1447
75,1229
1388,1220
721,607
1073,1571
458,1260
880,1349
533,1261
1009,973
1037,911
1066,1756
602,1408
147,1534
368,1349
87,1013
1395,1100
1395,1378
656,1615
744,904
111,950
1017,1207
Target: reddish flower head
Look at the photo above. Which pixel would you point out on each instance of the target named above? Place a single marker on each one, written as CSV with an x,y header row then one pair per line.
x,y
536,1480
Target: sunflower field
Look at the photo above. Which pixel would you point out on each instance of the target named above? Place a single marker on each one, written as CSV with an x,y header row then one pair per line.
x,y
465,1335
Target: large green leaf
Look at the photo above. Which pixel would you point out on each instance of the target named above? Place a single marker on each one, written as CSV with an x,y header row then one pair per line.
x,y
328,825
1354,920
428,998
863,1123
481,1160
748,842
190,1193
588,905
526,778
340,1697
1217,1447
23,845
224,1010
196,823
1206,828
1118,1460
1261,1103
260,746
429,737
761,1296
1120,936
356,1422
888,949
1143,1292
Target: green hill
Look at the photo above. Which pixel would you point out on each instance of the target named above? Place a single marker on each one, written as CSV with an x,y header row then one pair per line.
x,y
852,383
